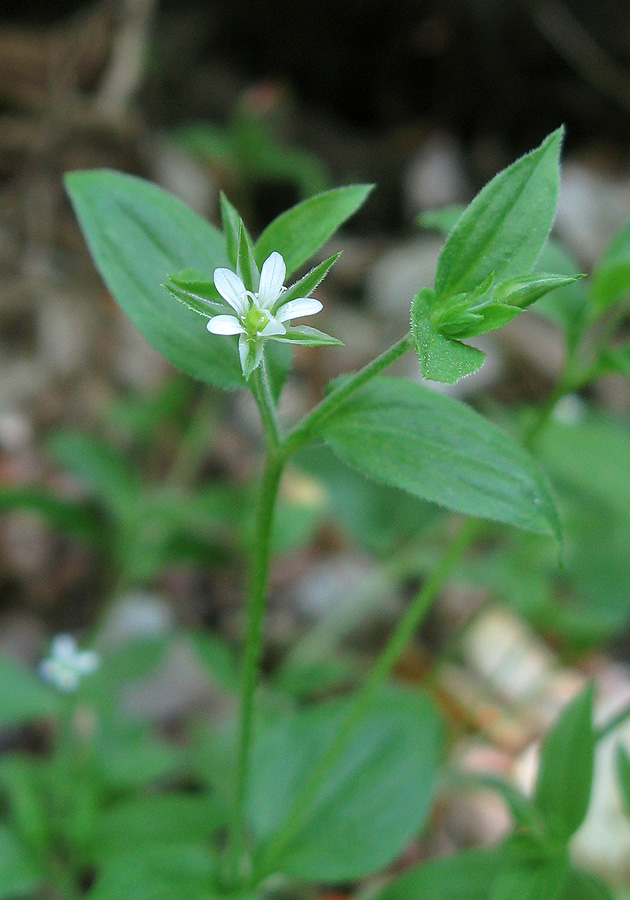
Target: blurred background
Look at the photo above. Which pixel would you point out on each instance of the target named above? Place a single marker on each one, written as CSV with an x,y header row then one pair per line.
x,y
428,100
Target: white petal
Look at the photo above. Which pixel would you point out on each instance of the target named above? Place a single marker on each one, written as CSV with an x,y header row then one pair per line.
x,y
87,662
272,277
232,289
301,306
272,327
63,647
225,325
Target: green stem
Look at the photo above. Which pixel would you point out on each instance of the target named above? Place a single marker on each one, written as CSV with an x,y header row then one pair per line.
x,y
384,665
279,451
253,650
304,430
266,405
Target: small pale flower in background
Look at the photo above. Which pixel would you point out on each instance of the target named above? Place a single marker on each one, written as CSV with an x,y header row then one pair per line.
x,y
260,314
66,665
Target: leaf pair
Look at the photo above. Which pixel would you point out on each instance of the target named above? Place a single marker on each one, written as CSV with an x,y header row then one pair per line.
x,y
483,279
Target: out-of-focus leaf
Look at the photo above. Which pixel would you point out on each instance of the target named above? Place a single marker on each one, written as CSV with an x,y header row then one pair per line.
x,y
565,774
23,697
20,874
374,802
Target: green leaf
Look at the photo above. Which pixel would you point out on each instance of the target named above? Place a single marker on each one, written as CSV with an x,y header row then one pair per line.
x,y
159,873
610,280
441,359
584,886
230,220
66,515
615,361
466,876
158,821
246,267
20,875
380,517
129,758
138,234
565,775
535,880
505,227
217,658
437,448
299,233
308,337
443,220
623,777
98,465
23,697
24,794
373,803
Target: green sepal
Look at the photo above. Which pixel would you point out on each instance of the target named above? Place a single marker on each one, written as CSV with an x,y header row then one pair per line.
x,y
200,305
230,220
246,267
441,358
306,285
250,354
308,337
490,307
524,291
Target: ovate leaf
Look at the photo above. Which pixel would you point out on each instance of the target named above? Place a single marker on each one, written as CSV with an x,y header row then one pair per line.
x,y
138,234
584,886
20,875
158,821
373,803
610,280
466,876
23,697
299,233
616,361
159,873
542,880
504,228
566,768
435,447
443,219
441,359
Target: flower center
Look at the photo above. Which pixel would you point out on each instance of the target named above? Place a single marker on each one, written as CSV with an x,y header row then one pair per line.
x,y
255,320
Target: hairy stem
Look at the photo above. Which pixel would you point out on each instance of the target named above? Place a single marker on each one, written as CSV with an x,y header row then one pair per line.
x,y
304,430
266,405
256,608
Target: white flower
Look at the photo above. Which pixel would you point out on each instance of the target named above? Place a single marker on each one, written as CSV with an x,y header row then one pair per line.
x,y
258,314
67,665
